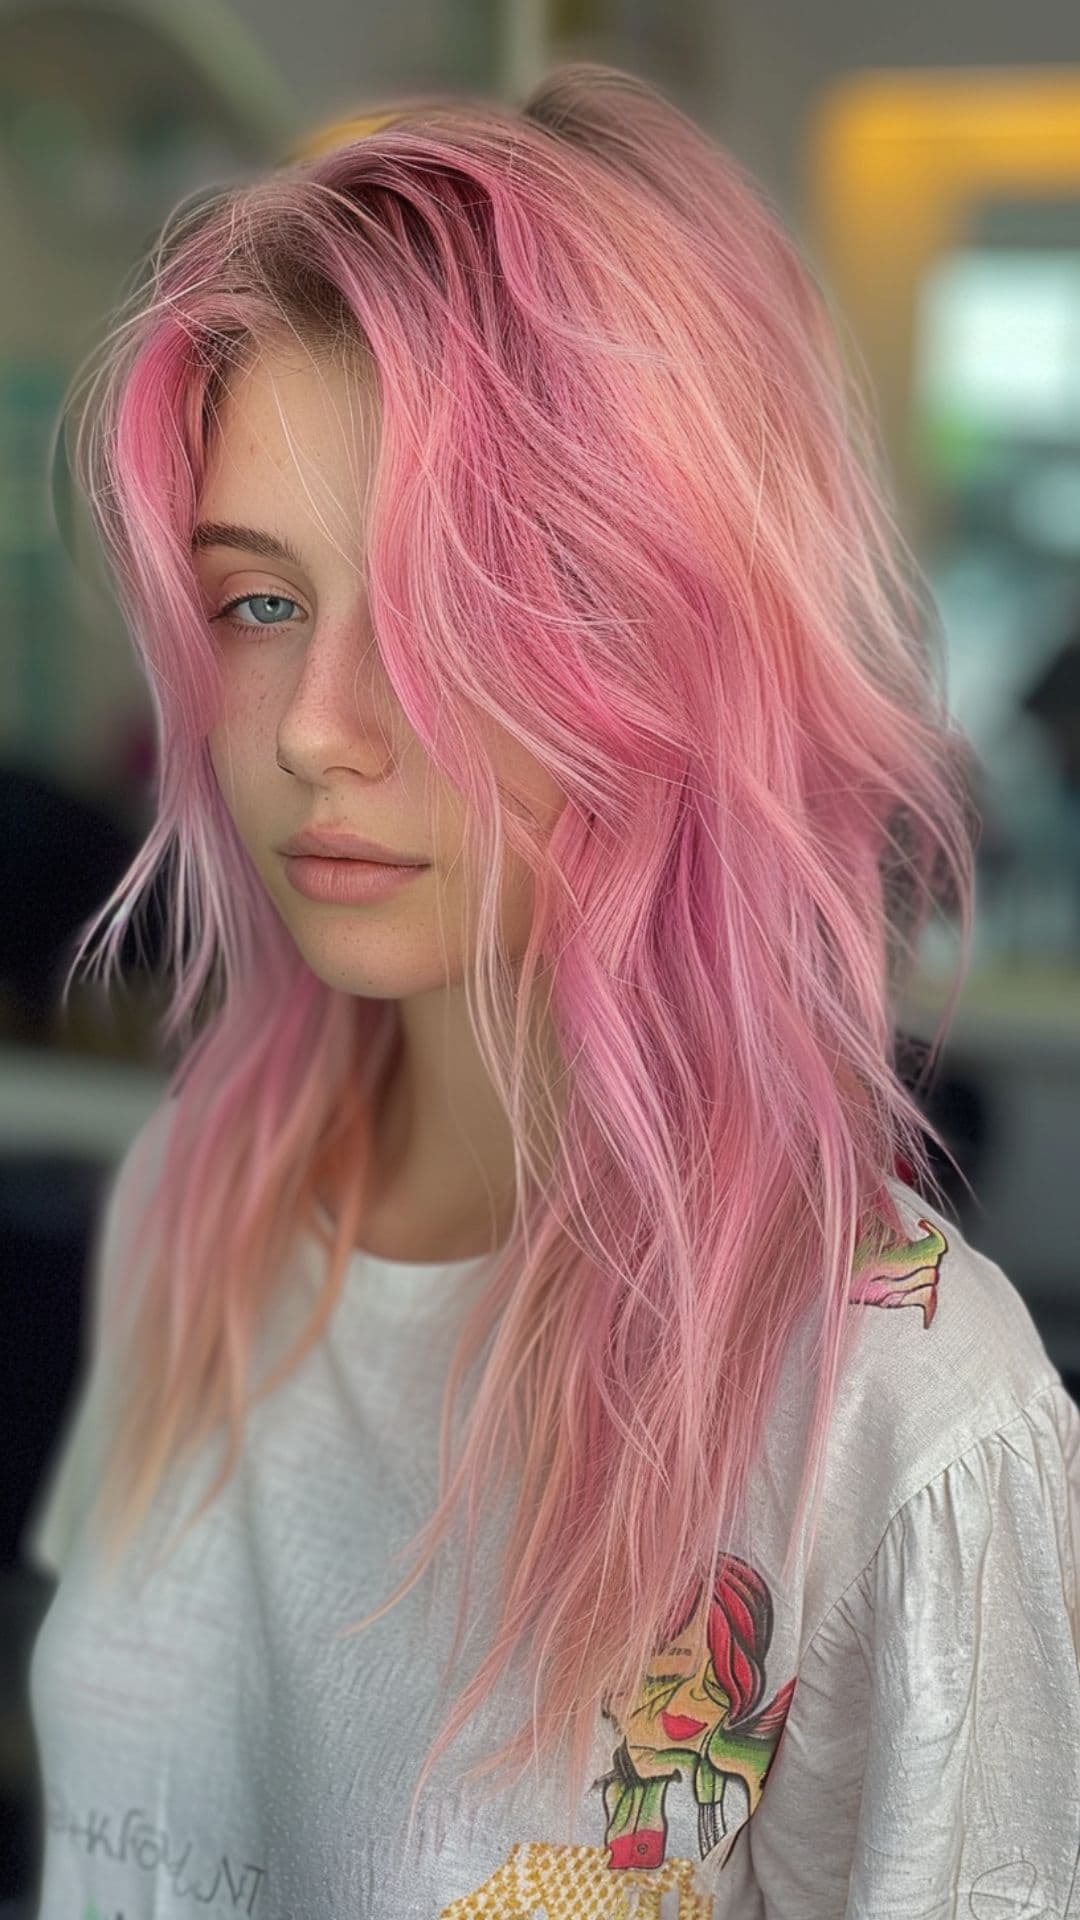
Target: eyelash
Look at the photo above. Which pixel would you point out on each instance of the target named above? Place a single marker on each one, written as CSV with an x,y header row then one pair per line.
x,y
243,626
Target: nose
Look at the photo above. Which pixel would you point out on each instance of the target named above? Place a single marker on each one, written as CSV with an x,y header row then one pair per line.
x,y
337,714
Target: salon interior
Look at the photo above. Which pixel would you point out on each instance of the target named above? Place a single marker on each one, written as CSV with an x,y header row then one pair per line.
x,y
927,158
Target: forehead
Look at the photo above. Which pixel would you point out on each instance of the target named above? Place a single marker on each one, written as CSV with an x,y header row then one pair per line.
x,y
294,432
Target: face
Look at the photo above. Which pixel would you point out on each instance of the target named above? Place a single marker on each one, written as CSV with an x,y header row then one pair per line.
x,y
674,1710
310,732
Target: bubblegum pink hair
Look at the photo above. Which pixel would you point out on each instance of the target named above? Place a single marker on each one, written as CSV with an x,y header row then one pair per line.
x,y
628,503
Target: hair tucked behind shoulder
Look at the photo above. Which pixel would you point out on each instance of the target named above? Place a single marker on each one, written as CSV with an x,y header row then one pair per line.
x,y
630,502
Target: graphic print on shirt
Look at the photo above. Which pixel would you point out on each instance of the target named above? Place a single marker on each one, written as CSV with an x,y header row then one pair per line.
x,y
170,1869
902,1276
696,1720
699,1721
699,1715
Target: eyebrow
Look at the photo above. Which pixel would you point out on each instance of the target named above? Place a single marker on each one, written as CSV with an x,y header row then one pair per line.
x,y
222,533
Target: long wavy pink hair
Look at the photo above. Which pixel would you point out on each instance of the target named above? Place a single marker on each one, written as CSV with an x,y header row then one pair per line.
x,y
629,503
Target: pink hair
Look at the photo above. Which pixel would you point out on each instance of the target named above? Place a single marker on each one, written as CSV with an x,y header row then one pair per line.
x,y
628,503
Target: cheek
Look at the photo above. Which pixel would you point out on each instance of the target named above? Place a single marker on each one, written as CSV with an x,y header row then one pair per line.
x,y
222,745
538,793
238,755
218,753
244,732
538,799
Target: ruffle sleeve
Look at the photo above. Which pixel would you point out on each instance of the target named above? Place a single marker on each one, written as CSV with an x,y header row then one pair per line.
x,y
930,1764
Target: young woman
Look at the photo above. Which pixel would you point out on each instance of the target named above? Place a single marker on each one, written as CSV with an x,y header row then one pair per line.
x,y
544,1452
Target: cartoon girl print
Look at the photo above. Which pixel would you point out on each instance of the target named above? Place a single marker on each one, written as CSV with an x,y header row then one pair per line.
x,y
699,1715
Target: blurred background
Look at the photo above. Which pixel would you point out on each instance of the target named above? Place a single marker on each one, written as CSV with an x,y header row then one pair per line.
x,y
928,160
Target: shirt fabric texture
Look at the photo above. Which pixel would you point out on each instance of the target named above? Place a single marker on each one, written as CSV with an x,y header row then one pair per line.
x,y
893,1734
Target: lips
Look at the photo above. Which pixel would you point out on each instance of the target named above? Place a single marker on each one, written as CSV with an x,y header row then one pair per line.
x,y
346,882
679,1726
340,843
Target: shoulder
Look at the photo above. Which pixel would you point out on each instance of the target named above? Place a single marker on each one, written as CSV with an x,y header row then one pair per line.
x,y
64,1499
140,1165
944,1356
947,1350
946,1340
128,1191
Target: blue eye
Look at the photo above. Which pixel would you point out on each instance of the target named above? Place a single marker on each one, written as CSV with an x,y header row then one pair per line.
x,y
268,599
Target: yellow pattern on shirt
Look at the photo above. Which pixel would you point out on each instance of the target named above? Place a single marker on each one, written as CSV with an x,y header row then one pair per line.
x,y
578,1883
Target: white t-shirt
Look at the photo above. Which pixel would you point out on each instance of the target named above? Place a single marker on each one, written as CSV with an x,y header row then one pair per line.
x,y
210,1742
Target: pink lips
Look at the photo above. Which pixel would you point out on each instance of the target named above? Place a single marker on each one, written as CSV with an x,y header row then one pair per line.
x,y
340,843
346,882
